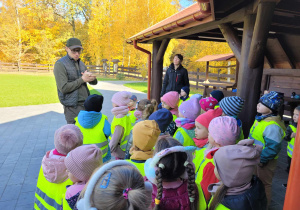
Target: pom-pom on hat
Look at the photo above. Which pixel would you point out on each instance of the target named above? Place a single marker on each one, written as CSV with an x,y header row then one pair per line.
x,y
163,118
272,100
190,109
208,103
67,138
93,103
171,99
224,130
121,98
82,161
232,106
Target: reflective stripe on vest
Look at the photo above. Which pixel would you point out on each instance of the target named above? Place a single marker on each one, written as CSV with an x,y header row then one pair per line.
x,y
95,135
49,195
124,122
188,141
140,166
257,131
291,143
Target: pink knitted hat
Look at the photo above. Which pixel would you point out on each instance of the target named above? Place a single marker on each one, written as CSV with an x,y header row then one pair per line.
x,y
190,109
208,103
121,98
83,160
171,99
224,130
67,138
204,119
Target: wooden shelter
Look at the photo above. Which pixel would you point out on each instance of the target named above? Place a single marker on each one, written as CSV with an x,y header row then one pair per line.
x,y
264,36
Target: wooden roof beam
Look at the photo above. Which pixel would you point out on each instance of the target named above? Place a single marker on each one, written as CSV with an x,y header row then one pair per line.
x,y
231,36
287,51
261,31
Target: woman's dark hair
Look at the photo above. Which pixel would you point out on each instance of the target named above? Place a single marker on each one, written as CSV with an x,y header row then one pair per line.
x,y
174,168
218,197
179,56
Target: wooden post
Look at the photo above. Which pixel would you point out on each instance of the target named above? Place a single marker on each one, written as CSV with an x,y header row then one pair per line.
x,y
261,31
159,48
219,70
197,82
249,79
206,70
232,39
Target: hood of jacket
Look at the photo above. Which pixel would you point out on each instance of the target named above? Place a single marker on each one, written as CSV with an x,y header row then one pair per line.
x,y
89,119
277,119
54,168
172,66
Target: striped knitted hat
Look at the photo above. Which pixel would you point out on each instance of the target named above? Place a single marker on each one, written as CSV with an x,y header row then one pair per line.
x,y
83,160
232,106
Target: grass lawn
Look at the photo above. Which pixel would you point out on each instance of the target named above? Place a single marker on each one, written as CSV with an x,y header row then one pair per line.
x,y
142,86
22,90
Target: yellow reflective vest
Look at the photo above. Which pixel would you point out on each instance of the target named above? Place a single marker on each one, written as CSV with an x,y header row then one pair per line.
x,y
95,135
124,122
49,195
140,166
65,204
220,206
291,143
181,101
132,117
257,130
188,141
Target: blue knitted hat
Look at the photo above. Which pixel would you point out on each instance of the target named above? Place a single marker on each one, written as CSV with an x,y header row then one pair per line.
x,y
217,94
272,100
186,89
163,118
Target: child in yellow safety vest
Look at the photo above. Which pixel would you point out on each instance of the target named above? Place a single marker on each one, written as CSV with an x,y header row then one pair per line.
x,y
132,106
94,125
53,178
116,185
238,188
184,94
80,163
145,135
268,131
188,112
232,107
170,102
223,131
121,124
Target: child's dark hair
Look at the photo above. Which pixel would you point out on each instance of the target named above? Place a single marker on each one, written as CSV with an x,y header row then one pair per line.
x,y
174,168
297,108
122,177
179,56
147,107
218,197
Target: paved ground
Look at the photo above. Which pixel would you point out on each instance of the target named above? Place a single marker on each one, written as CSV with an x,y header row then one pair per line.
x,y
27,132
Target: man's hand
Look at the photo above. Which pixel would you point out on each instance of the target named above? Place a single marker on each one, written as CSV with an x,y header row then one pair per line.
x,y
88,76
293,135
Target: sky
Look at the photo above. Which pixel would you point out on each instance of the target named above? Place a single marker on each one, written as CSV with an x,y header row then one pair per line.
x,y
186,3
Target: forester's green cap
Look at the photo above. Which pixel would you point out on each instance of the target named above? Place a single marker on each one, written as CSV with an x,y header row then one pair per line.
x,y
74,43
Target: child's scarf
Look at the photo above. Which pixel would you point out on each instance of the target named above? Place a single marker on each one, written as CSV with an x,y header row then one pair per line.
x,y
174,111
55,152
200,142
262,117
185,123
184,97
120,111
138,114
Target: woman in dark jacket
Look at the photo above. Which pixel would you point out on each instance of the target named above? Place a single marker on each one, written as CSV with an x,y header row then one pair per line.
x,y
176,76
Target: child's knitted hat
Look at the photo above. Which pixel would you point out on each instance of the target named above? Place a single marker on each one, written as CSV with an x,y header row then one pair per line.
x,y
272,100
206,118
133,97
67,138
217,94
236,163
82,161
190,109
121,98
163,118
93,103
232,105
171,99
186,89
224,130
197,96
208,103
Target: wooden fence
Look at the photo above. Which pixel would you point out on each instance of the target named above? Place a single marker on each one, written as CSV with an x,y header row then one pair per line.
x,y
194,77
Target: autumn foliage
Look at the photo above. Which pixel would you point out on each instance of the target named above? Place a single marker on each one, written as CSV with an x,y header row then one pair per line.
x,y
35,31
